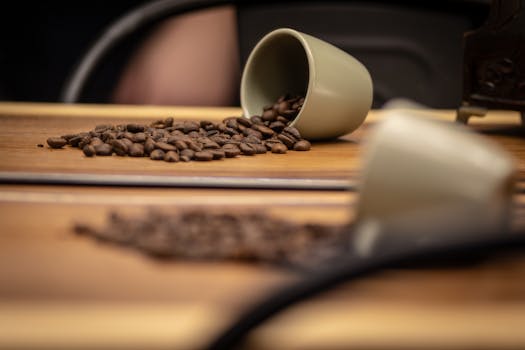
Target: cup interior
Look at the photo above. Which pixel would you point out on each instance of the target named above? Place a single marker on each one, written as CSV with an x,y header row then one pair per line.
x,y
278,65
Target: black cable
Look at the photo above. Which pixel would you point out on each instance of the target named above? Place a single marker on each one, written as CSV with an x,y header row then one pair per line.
x,y
352,269
129,23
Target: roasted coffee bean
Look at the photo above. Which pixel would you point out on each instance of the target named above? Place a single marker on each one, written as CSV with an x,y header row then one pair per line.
x,y
255,119
244,121
260,148
251,139
157,154
264,130
203,156
293,131
194,146
218,153
191,126
103,127
212,132
166,147
231,150
279,148
187,153
136,150
74,141
171,157
180,144
207,125
89,150
231,122
95,141
139,137
56,142
269,143
119,147
251,132
135,128
86,140
39,145
269,115
287,140
168,122
149,146
247,149
207,143
302,145
127,142
68,136
277,126
103,149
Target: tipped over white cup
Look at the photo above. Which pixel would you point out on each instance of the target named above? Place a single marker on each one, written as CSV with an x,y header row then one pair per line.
x,y
337,87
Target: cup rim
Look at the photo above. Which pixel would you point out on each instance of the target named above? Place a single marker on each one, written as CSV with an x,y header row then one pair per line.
x,y
311,72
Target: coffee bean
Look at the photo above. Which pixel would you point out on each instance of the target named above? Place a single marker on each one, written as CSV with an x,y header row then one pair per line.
x,y
277,126
287,140
264,130
292,131
139,137
231,150
190,126
103,149
218,153
168,122
251,139
181,145
39,145
119,147
187,153
103,127
302,145
74,141
252,132
194,146
247,149
157,154
136,150
135,128
269,115
260,148
203,156
255,119
89,150
279,148
149,146
244,121
166,147
127,142
171,157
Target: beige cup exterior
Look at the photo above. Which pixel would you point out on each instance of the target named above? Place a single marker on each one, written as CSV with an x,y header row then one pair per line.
x,y
417,165
337,87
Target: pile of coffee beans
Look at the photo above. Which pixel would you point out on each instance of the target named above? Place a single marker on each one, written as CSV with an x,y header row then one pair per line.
x,y
174,141
199,234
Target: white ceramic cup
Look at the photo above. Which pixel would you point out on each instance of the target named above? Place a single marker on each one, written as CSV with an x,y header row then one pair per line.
x,y
336,86
437,173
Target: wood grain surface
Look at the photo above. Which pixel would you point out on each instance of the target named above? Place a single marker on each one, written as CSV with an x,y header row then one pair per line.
x,y
59,290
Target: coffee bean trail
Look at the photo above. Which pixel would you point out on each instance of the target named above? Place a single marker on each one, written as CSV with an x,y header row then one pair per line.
x,y
240,235
183,141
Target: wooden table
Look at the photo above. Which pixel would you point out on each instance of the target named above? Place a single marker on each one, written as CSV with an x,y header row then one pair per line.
x,y
58,290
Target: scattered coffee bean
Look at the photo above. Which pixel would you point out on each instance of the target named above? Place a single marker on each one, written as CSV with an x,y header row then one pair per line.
x,y
302,145
231,150
171,156
192,140
157,154
203,156
212,234
56,142
247,149
39,145
136,150
89,150
279,148
103,149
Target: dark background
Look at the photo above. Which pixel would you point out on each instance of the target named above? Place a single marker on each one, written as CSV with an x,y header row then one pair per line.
x,y
412,48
